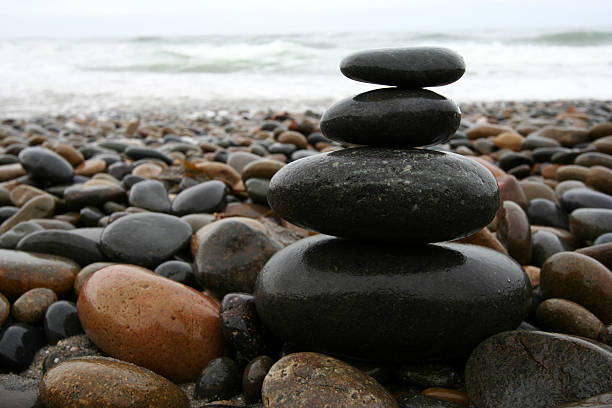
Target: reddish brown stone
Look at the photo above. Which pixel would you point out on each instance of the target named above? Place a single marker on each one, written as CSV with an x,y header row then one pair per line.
x,y
533,272
32,305
5,309
264,168
293,137
572,172
218,171
495,171
134,315
600,178
40,206
446,394
564,316
69,153
601,252
511,190
21,271
147,170
486,130
485,238
514,232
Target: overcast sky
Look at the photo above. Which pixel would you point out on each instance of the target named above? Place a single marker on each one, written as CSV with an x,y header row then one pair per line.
x,y
191,17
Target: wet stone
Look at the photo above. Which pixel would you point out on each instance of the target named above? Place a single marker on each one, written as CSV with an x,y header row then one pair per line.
x,y
392,117
61,321
241,326
19,343
45,164
7,211
513,230
589,223
207,197
544,244
5,309
178,271
585,198
253,377
601,252
80,195
257,189
38,207
32,305
545,212
66,244
219,380
137,153
150,195
564,316
10,238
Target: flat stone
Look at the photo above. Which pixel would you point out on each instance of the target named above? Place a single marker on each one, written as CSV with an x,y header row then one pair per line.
x,y
90,167
24,193
207,197
45,164
304,380
137,153
145,239
238,160
409,67
86,381
257,189
38,207
121,305
22,271
536,369
534,189
589,223
66,244
395,303
391,117
564,316
32,305
354,193
150,195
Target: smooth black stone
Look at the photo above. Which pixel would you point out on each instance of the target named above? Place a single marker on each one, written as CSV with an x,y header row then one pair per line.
x,y
395,195
7,211
545,212
283,148
300,154
145,239
18,392
258,149
118,170
409,67
391,303
178,271
150,195
207,197
80,249
79,195
8,159
585,198
513,159
61,321
536,142
90,216
565,157
221,156
545,154
461,141
520,172
536,369
131,180
19,343
137,153
253,376
257,189
392,117
544,244
270,125
241,326
220,380
317,137
92,233
45,164
11,238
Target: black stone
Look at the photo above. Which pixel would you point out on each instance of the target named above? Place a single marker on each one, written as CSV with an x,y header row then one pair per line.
x,y
178,271
545,154
131,180
398,303
537,142
410,67
283,148
137,153
150,195
45,164
7,211
61,321
18,392
118,170
536,369
392,117
220,380
241,326
253,376
19,343
544,244
145,239
206,197
545,212
300,154
395,195
565,157
585,198
11,238
90,216
257,188
520,172
317,137
80,249
512,159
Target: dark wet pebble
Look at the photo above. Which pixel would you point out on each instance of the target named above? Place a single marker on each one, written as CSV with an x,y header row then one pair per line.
x,y
545,154
283,148
90,216
80,195
118,170
219,380
545,244
11,237
137,153
19,343
545,212
7,211
257,188
207,197
241,326
178,271
45,164
585,198
150,195
61,321
512,159
66,244
589,223
253,377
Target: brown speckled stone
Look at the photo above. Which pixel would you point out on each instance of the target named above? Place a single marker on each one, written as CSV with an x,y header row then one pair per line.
x,y
24,193
511,190
21,271
135,315
5,309
513,230
69,153
579,278
99,382
564,316
32,305
305,380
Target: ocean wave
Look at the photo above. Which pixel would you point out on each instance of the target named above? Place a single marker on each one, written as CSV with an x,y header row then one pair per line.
x,y
571,38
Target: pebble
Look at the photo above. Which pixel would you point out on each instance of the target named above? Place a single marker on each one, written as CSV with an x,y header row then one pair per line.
x,y
45,164
511,190
86,381
86,273
590,159
67,244
392,117
544,245
183,332
257,188
90,167
534,189
564,316
589,223
24,193
219,380
138,153
304,380
600,178
601,252
532,368
81,195
417,400
262,168
19,342
61,321
11,171
38,207
145,239
545,212
410,67
10,238
513,231
241,325
5,309
585,198
306,289
253,377
150,195
32,305
598,401
207,197
178,271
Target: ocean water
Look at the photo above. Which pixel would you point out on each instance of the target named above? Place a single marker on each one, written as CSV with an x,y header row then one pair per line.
x,y
284,71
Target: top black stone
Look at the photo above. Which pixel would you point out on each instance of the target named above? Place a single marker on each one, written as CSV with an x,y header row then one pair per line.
x,y
412,67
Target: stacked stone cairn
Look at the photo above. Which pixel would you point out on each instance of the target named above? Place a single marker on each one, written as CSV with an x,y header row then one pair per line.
x,y
375,287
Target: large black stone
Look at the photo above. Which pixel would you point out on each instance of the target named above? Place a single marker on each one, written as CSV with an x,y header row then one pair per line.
x,y
411,67
45,164
145,239
19,343
392,117
383,194
536,369
397,303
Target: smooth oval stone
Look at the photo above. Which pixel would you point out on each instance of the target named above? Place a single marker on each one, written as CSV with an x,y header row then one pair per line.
x,y
585,198
22,271
238,160
536,369
545,212
600,177
567,185
19,343
150,195
178,271
108,383
513,159
11,237
391,117
600,251
220,380
121,305
18,392
390,195
580,278
137,153
564,316
257,189
80,195
61,321
513,230
534,189
38,207
544,245
230,257
392,303
66,244
241,326
410,67
207,197
590,159
45,164
589,223
145,239
32,305
305,380
263,168
253,377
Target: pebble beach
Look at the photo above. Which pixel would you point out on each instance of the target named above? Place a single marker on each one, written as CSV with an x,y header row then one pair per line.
x,y
261,258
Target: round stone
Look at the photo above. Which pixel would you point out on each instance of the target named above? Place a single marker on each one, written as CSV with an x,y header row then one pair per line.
x,y
150,195
145,239
178,271
409,67
206,197
589,223
389,195
32,305
108,383
253,377
220,380
121,305
391,117
45,164
61,321
385,302
564,316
